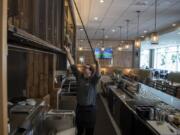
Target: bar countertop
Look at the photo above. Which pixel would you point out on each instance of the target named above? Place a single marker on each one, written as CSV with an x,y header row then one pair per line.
x,y
149,93
145,95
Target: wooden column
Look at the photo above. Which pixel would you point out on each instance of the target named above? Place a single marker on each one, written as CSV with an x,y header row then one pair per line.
x,y
3,67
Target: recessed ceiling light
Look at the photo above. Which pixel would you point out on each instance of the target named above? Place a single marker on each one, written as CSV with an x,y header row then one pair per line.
x,y
174,25
101,1
95,18
142,36
81,29
113,30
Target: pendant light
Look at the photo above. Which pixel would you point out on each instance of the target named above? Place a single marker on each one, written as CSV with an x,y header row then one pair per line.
x,y
155,35
80,46
102,48
138,40
119,47
127,34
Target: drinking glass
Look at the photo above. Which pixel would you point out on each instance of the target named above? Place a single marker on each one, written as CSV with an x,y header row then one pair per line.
x,y
162,116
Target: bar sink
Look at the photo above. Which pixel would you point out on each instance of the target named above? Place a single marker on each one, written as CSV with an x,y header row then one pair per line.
x,y
56,121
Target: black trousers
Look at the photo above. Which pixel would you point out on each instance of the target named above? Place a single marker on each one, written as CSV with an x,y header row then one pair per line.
x,y
88,131
85,119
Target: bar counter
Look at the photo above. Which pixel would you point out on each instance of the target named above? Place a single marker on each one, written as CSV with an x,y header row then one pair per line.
x,y
123,101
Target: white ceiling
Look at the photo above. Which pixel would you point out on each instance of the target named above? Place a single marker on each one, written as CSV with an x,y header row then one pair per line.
x,y
113,13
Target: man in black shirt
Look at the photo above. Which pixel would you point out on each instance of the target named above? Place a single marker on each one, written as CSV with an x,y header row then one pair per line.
x,y
86,95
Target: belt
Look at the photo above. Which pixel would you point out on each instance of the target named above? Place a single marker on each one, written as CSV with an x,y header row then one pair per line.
x,y
78,105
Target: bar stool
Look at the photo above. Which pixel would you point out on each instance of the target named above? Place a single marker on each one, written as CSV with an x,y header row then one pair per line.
x,y
151,83
171,90
159,85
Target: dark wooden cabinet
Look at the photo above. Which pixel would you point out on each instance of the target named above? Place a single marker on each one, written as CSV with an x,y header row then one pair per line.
x,y
110,100
121,114
128,122
140,128
16,73
116,109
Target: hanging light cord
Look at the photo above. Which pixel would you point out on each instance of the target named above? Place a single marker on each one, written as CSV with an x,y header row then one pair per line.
x,y
120,28
155,15
103,37
127,28
138,15
84,30
80,39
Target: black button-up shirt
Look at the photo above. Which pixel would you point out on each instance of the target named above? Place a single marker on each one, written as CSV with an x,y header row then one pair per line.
x,y
86,90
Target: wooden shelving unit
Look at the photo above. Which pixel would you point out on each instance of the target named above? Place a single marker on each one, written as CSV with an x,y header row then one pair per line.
x,y
24,39
40,18
36,32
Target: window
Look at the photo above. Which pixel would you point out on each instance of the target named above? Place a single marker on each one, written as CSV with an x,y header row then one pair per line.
x,y
144,58
178,58
168,58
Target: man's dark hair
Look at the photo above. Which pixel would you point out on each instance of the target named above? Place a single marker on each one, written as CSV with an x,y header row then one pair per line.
x,y
91,68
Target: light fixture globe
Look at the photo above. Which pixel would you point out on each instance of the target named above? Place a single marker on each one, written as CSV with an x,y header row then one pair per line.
x,y
80,48
138,43
154,38
119,48
127,46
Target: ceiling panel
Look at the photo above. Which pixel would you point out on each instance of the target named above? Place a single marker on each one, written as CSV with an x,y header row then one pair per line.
x,y
113,13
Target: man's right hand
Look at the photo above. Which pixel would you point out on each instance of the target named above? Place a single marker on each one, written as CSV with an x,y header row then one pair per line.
x,y
69,56
67,49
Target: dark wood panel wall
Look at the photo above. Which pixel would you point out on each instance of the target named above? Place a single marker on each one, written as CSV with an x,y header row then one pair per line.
x,y
39,74
41,18
42,22
30,73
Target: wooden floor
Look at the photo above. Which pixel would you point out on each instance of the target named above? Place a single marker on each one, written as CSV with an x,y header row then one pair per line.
x,y
103,123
